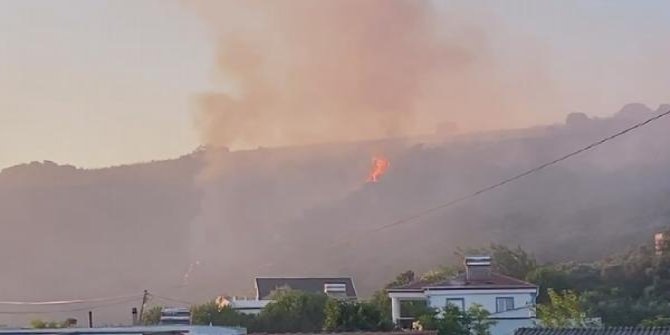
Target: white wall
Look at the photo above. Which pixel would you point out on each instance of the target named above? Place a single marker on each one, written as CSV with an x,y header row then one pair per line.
x,y
523,300
522,315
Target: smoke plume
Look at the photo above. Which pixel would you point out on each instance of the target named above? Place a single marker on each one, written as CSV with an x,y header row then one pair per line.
x,y
299,72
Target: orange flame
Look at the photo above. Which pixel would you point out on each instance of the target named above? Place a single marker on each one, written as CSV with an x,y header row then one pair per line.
x,y
379,167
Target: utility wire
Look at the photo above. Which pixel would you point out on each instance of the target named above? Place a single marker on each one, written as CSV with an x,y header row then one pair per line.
x,y
127,299
402,221
78,309
68,302
171,300
492,187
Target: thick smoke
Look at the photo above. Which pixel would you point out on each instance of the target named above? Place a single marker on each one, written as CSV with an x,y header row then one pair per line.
x,y
304,72
297,72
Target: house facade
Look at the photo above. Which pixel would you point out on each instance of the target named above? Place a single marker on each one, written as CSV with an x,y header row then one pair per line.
x,y
340,287
510,301
335,287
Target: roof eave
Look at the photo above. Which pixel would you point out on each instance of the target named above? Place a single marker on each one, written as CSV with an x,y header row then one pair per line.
x,y
492,287
405,290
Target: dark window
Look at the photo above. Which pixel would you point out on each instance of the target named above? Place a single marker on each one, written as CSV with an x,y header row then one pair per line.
x,y
458,302
504,304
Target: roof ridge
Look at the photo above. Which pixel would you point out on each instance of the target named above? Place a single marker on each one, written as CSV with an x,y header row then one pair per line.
x,y
514,278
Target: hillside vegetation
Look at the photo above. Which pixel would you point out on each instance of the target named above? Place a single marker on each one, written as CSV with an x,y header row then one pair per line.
x,y
309,210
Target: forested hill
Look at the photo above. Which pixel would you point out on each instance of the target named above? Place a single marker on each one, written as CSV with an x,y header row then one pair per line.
x,y
281,211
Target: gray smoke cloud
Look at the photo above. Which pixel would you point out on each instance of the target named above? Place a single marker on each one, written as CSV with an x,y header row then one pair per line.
x,y
299,72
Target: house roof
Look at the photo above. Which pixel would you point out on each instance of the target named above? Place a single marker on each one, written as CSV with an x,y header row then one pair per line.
x,y
266,285
459,282
595,331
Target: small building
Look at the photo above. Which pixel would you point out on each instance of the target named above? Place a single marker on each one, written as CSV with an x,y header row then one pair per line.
x,y
175,316
337,287
510,301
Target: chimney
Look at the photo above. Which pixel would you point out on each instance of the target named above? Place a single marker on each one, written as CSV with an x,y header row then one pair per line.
x,y
478,268
134,311
335,290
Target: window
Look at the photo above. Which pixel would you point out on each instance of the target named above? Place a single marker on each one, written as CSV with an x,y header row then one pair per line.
x,y
504,304
458,302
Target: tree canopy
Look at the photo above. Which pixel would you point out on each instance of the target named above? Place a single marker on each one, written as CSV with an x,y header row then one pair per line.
x,y
564,310
628,289
342,315
454,321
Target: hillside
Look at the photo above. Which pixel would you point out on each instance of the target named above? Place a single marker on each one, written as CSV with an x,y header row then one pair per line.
x,y
285,211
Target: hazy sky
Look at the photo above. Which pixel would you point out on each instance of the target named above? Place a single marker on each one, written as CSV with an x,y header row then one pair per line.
x,y
96,83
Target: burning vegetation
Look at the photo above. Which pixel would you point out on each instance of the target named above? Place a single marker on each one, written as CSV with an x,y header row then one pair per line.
x,y
379,167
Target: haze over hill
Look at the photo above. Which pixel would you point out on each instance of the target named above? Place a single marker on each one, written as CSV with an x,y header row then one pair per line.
x,y
285,211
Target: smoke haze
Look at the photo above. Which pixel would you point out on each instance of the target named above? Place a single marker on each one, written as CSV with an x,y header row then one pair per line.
x,y
278,212
328,85
298,72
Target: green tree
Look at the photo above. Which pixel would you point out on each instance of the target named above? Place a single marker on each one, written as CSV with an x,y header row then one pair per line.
x,y
480,318
380,298
402,279
660,278
382,302
40,324
438,274
515,262
659,321
545,277
453,321
564,310
211,313
343,315
450,321
293,312
152,316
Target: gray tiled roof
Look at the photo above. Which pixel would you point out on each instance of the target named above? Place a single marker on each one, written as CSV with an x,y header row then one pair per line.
x,y
595,331
266,285
460,282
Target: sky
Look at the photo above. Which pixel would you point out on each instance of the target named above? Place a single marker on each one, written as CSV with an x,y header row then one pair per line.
x,y
98,83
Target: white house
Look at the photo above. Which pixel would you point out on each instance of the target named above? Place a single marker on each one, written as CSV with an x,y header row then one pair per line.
x,y
510,301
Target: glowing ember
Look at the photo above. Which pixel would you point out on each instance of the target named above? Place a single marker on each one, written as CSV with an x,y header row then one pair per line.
x,y
187,275
379,167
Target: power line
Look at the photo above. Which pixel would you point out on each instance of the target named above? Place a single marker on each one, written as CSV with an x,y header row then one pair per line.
x,y
172,300
402,221
68,302
78,309
492,187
